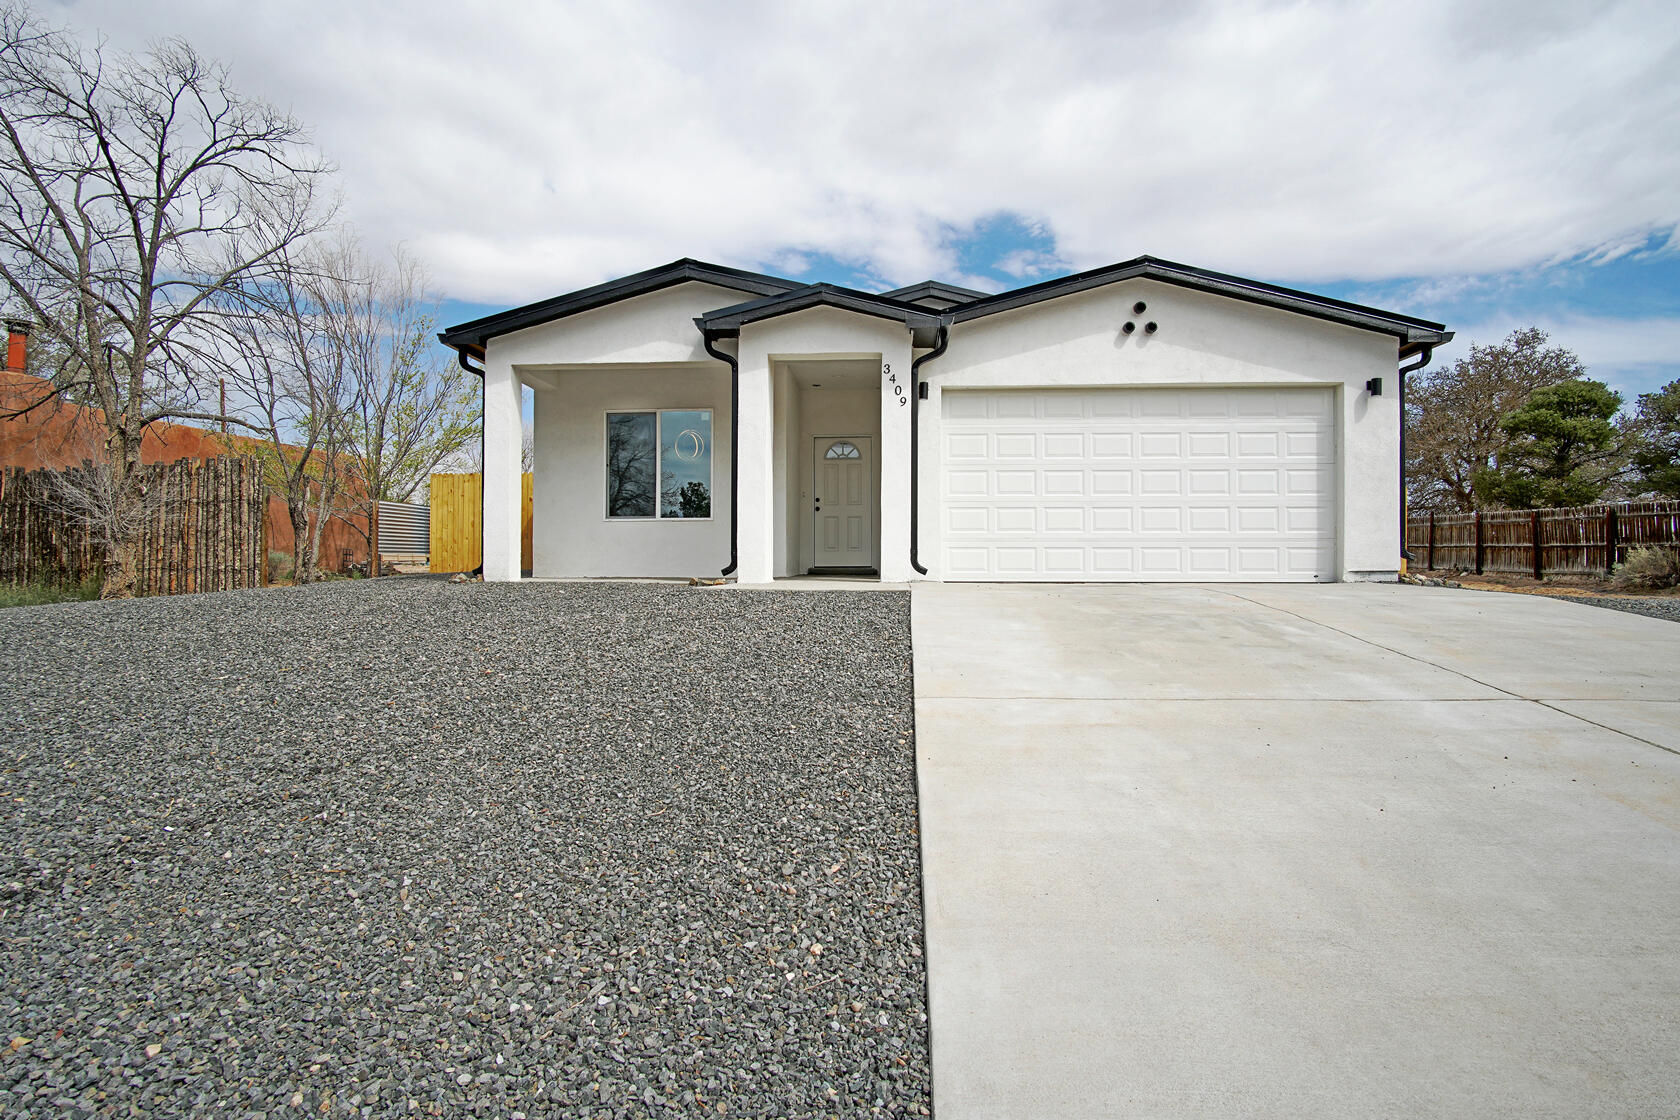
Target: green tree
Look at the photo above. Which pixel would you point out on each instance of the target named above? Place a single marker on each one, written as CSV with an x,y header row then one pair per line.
x,y
1656,441
1556,439
1454,414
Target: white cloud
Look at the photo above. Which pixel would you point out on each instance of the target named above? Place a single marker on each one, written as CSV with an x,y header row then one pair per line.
x,y
1027,264
524,149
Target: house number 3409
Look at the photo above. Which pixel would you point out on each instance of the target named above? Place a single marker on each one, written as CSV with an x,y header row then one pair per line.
x,y
892,379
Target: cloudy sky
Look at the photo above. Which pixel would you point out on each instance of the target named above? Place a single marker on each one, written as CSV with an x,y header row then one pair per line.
x,y
1488,165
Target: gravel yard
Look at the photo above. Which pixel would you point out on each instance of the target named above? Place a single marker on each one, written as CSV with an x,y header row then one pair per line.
x,y
411,848
1652,606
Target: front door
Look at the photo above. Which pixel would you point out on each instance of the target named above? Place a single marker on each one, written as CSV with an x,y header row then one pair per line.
x,y
845,503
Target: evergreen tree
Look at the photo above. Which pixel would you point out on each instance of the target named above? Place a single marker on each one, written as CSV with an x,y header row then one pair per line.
x,y
1556,438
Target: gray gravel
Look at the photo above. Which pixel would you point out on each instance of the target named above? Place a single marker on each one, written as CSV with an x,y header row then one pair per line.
x,y
1667,607
414,848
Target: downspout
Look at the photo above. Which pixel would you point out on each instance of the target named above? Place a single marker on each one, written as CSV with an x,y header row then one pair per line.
x,y
734,447
1400,375
916,439
461,360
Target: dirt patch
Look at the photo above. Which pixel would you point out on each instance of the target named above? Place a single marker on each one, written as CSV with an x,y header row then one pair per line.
x,y
1573,586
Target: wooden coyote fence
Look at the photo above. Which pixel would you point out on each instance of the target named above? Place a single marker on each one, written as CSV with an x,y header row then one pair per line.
x,y
1580,540
204,531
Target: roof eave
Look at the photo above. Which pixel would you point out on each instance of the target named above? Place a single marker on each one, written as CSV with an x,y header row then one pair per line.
x,y
726,322
1403,327
934,289
477,332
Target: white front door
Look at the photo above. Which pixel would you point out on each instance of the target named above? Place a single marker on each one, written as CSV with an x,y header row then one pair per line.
x,y
845,503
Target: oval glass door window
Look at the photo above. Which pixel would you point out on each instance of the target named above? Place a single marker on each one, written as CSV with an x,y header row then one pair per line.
x,y
842,450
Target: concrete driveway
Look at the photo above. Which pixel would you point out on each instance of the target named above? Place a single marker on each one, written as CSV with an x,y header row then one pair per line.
x,y
1326,851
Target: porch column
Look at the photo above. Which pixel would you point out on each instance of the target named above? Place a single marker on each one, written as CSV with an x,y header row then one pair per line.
x,y
754,445
502,433
895,462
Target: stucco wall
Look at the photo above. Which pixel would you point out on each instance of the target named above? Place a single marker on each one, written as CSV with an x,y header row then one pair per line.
x,y
655,328
1203,339
824,413
765,476
646,353
571,535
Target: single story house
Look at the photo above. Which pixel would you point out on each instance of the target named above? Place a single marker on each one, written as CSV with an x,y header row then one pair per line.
x,y
1143,421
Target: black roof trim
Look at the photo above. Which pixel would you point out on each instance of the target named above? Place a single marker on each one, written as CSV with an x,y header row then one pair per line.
x,y
1411,332
726,322
934,289
477,332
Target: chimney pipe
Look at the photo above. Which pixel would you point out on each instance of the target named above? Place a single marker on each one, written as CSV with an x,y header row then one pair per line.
x,y
17,345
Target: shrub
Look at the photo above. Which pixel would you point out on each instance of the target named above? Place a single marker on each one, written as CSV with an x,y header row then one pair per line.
x,y
1648,568
279,565
42,591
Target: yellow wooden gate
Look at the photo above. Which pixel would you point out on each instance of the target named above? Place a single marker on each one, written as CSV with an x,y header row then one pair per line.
x,y
458,522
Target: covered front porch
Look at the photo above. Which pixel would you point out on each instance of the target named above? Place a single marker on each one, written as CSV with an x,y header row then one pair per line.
x,y
635,470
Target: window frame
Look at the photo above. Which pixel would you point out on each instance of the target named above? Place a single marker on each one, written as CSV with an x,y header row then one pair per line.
x,y
658,415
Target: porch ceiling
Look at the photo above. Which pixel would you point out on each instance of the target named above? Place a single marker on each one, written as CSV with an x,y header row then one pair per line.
x,y
835,373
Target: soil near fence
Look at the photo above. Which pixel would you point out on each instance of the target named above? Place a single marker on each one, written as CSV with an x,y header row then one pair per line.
x,y
1573,586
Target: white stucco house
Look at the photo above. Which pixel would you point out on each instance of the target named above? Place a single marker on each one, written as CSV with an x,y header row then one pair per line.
x,y
1144,421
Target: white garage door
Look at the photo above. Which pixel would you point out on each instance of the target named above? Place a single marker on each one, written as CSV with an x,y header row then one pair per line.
x,y
1139,484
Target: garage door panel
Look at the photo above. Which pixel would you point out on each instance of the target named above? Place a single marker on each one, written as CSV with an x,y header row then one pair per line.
x,y
1135,484
1112,482
1161,519
1215,519
1015,445
1157,483
1008,482
1209,482
1064,519
1064,445
1304,445
1111,445
1159,445
1015,520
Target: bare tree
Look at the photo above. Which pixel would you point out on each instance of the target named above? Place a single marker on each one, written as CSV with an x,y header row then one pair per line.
x,y
471,457
291,381
93,498
134,191
408,409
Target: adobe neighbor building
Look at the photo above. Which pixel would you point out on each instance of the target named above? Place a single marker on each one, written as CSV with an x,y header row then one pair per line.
x,y
1144,421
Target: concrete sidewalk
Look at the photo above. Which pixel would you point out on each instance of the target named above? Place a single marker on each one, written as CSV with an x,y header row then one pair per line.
x,y
1326,851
